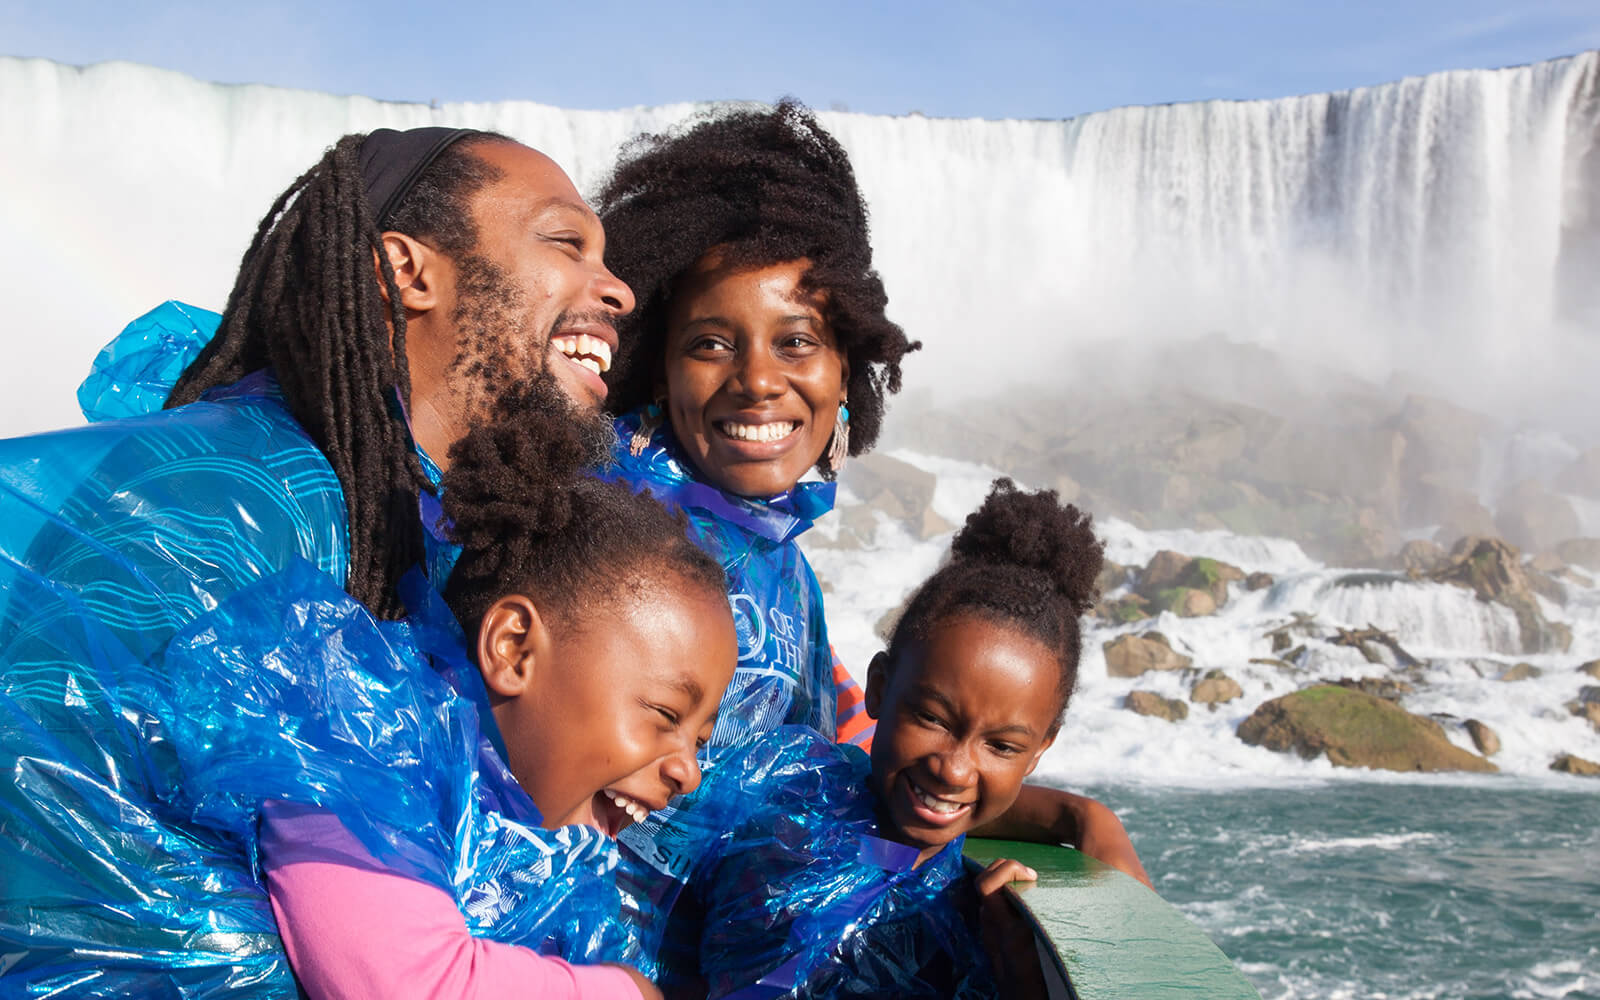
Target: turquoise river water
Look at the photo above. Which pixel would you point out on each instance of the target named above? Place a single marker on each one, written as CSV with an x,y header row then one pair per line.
x,y
1385,889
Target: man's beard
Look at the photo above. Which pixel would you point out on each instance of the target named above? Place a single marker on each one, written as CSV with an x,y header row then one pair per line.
x,y
507,378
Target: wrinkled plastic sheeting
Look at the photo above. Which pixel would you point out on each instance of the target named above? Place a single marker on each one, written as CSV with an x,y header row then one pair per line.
x,y
135,372
127,824
802,898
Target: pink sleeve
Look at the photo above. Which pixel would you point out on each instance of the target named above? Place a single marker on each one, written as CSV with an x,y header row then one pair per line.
x,y
357,931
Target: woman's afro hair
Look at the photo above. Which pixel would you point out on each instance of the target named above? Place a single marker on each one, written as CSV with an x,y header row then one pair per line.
x,y
1024,561
531,520
762,187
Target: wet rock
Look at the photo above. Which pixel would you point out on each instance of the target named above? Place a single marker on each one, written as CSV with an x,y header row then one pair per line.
x,y
1355,729
1125,609
1132,655
1162,572
1588,711
1573,764
1150,703
1170,571
1485,739
1185,602
1258,581
1376,646
1215,688
1592,668
1112,576
1492,569
1521,672
1420,556
899,489
1274,662
1386,688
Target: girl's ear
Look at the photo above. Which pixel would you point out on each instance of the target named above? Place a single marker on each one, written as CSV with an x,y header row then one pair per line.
x,y
877,681
513,642
1039,753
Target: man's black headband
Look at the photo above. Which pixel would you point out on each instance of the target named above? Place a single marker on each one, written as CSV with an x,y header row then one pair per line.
x,y
392,163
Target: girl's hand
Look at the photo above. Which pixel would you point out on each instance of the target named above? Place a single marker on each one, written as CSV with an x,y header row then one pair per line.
x,y
1002,872
1006,934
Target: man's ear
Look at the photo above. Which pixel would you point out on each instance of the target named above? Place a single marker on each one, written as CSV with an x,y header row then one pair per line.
x,y
1039,753
513,644
877,683
418,271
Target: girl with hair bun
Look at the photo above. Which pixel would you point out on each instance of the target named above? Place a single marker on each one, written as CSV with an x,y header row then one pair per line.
x,y
860,863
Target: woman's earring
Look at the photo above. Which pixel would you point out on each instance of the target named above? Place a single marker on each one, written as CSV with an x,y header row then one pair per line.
x,y
648,422
839,445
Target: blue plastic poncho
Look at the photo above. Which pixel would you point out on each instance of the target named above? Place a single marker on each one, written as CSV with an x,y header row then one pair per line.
x,y
784,675
137,875
112,538
803,898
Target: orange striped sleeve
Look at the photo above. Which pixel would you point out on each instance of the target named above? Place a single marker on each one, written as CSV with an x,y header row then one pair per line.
x,y
854,725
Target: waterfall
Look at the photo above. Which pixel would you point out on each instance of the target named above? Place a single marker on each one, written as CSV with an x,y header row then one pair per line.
x,y
1452,219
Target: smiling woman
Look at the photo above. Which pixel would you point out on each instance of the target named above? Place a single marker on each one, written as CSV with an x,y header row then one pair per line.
x,y
754,376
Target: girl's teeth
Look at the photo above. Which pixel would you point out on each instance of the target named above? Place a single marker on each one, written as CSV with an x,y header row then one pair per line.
x,y
635,810
936,804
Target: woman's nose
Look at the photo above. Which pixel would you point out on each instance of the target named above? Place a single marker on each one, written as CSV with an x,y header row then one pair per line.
x,y
760,376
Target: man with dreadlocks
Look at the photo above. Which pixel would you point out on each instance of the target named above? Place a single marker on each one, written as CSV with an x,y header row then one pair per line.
x,y
403,290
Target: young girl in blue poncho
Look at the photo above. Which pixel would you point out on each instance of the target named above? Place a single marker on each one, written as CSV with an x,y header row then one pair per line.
x,y
604,643
836,878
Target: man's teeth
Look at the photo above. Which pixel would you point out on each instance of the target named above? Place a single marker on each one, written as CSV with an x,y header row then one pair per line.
x,y
759,432
590,352
635,810
935,803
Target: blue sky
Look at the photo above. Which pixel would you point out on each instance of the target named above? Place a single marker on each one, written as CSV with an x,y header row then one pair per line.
x,y
992,59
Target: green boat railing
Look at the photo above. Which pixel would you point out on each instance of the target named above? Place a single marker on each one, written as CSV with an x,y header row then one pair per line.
x,y
1112,938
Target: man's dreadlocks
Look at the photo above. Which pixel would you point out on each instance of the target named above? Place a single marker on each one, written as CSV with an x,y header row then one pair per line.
x,y
306,306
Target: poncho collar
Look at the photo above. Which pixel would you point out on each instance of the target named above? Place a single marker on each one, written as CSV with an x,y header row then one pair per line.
x,y
663,467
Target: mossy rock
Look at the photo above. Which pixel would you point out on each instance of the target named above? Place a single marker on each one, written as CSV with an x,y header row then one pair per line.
x,y
1185,602
1355,729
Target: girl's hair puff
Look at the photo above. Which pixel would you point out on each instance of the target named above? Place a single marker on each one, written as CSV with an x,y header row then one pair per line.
x,y
531,520
1025,561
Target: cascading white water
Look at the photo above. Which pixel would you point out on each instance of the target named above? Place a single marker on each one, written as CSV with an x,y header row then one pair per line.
x,y
1448,220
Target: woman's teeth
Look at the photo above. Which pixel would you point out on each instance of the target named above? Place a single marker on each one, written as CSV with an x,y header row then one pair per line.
x,y
635,810
758,432
935,804
590,352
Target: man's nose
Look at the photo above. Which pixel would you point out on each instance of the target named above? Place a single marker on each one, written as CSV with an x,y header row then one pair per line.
x,y
614,292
